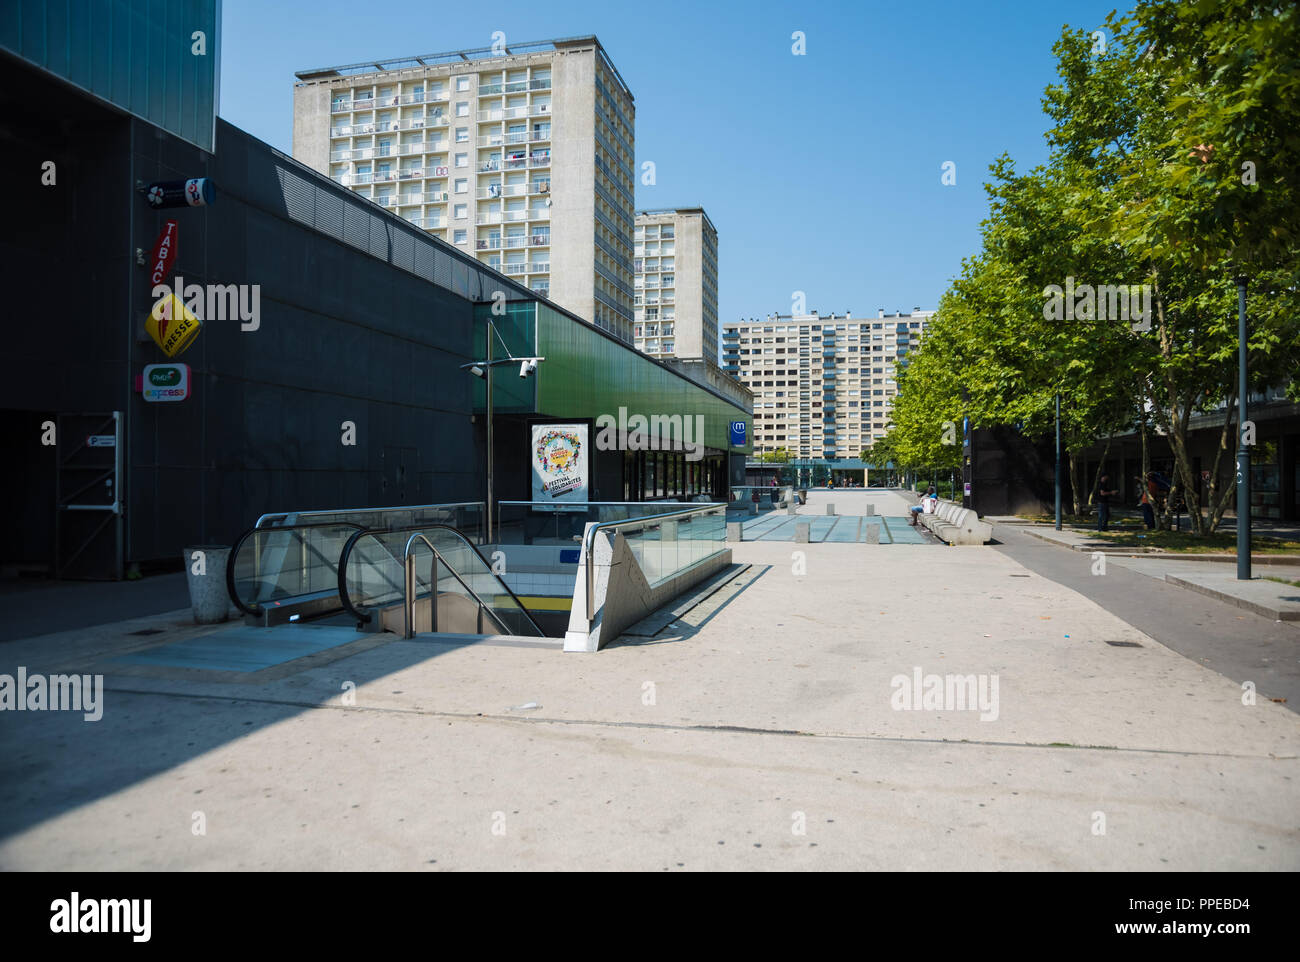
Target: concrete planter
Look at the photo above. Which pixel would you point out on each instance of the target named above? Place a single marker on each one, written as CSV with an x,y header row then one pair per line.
x,y
205,573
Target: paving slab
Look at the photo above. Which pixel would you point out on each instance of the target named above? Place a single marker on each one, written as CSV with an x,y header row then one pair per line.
x,y
761,729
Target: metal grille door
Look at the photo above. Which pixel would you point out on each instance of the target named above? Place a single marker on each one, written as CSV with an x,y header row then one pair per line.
x,y
88,524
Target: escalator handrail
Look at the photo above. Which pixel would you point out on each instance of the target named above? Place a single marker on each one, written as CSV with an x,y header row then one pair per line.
x,y
407,605
239,543
366,616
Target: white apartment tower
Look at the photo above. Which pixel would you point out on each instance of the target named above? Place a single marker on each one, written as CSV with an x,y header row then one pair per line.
x,y
823,385
676,284
520,154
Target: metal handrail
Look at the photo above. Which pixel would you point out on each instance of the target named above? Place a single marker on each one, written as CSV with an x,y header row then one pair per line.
x,y
577,507
239,543
589,541
408,567
365,616
364,511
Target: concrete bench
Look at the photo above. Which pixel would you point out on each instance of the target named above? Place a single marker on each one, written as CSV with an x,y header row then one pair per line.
x,y
954,524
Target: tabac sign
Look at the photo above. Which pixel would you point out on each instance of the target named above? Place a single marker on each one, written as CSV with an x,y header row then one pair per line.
x,y
163,258
172,325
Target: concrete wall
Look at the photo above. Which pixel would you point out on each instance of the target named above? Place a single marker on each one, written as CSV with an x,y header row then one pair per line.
x,y
311,126
573,218
622,594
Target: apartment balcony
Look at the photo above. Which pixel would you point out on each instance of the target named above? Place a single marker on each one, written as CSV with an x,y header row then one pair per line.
x,y
428,223
539,240
490,218
422,147
516,242
501,113
514,268
513,87
386,200
491,140
493,191
410,172
490,244
488,166
539,267
539,110
430,197
541,291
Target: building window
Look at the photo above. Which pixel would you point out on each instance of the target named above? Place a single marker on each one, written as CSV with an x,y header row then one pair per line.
x,y
460,237
462,108
461,212
462,135
462,160
462,83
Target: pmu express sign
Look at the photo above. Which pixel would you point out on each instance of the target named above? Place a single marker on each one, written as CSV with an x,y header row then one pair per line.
x,y
165,382
172,325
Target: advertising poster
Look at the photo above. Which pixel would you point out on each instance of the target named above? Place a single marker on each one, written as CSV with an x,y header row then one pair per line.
x,y
559,459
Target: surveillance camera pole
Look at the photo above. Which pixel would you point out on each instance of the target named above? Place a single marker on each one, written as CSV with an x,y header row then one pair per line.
x,y
488,375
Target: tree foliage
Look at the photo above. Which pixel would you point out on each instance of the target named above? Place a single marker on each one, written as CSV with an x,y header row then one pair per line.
x,y
1173,166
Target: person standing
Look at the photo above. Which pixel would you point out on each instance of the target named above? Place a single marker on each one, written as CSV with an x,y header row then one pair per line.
x,y
1144,502
1104,494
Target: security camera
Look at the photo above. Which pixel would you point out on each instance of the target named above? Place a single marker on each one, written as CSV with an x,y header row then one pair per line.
x,y
527,367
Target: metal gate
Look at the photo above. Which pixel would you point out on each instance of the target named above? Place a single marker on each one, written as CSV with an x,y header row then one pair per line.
x,y
88,496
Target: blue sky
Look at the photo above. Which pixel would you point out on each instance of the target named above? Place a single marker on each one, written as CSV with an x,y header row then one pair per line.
x,y
821,172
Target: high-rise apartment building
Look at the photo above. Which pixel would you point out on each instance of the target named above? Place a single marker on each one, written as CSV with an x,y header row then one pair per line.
x,y
823,385
676,284
519,154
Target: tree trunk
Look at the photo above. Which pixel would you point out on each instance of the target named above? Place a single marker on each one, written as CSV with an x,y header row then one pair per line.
x,y
1217,499
1146,464
1076,482
1101,468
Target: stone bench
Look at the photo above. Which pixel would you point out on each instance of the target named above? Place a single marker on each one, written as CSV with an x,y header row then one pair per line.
x,y
954,524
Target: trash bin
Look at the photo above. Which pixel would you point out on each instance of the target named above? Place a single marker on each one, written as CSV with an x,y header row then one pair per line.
x,y
205,573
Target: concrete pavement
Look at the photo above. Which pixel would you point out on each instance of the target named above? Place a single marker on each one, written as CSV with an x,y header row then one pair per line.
x,y
759,730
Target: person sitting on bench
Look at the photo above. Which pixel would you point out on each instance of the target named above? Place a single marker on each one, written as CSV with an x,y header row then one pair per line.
x,y
929,501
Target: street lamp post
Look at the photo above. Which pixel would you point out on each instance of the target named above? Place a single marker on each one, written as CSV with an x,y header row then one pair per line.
x,y
1243,452
483,369
1058,461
